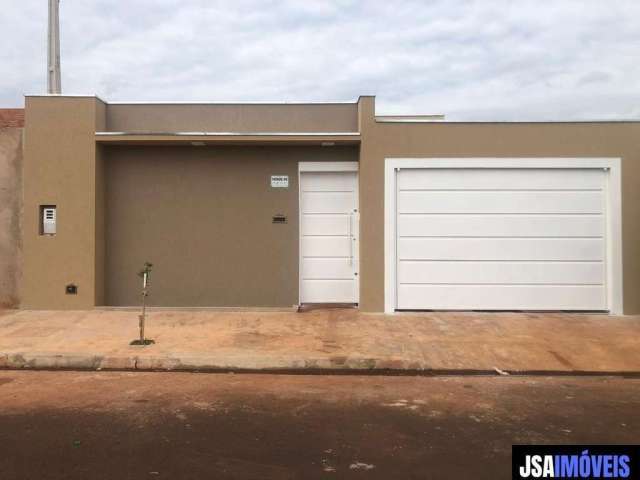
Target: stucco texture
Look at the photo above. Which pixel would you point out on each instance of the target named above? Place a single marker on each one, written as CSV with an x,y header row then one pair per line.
x,y
60,169
443,139
203,214
10,214
203,217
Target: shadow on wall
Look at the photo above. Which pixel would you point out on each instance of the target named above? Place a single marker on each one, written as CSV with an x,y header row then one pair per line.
x,y
11,129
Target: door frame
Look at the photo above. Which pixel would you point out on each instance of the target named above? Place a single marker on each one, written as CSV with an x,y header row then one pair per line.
x,y
306,167
613,195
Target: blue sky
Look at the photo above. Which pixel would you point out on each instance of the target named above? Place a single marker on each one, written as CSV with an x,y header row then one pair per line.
x,y
472,60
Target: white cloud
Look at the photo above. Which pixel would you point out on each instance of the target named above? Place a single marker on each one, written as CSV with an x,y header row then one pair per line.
x,y
488,59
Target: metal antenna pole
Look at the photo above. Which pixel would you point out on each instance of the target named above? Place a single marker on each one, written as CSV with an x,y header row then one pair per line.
x,y
54,83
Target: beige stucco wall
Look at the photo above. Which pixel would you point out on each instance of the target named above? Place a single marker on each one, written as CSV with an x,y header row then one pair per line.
x,y
331,117
203,217
64,166
442,139
99,208
60,169
10,215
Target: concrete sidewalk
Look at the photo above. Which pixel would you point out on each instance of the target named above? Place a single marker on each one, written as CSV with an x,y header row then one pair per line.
x,y
339,339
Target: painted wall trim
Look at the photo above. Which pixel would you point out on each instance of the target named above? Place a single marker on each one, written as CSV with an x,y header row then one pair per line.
x,y
221,134
241,139
208,102
65,95
614,211
529,122
194,102
61,95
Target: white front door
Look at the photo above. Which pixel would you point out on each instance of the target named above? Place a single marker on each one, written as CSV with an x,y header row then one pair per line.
x,y
328,236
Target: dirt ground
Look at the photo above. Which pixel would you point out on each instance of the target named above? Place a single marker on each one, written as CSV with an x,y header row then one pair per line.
x,y
56,425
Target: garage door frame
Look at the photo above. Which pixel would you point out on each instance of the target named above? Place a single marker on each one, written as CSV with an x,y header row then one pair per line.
x,y
613,197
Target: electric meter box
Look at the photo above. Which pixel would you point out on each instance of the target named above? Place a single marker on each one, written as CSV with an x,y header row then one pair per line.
x,y
49,220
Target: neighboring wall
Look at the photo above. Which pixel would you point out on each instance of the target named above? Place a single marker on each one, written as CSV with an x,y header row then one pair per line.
x,y
11,128
203,217
443,139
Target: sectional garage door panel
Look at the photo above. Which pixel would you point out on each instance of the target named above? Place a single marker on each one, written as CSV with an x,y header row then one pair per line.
x,y
500,202
508,179
501,273
501,297
500,225
501,239
500,249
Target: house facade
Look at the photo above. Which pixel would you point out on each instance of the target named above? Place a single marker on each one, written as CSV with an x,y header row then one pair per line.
x,y
277,205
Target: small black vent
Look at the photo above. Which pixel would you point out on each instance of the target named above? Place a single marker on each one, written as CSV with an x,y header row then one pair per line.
x,y
71,289
279,219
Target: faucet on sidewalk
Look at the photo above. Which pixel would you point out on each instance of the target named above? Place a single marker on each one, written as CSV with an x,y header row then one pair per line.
x,y
145,274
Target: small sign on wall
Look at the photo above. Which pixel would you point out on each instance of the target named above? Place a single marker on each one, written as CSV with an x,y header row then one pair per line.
x,y
279,181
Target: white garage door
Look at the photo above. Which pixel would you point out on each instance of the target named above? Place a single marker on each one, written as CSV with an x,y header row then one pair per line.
x,y
501,239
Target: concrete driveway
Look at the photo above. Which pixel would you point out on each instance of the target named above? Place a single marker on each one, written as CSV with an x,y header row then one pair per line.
x,y
334,339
